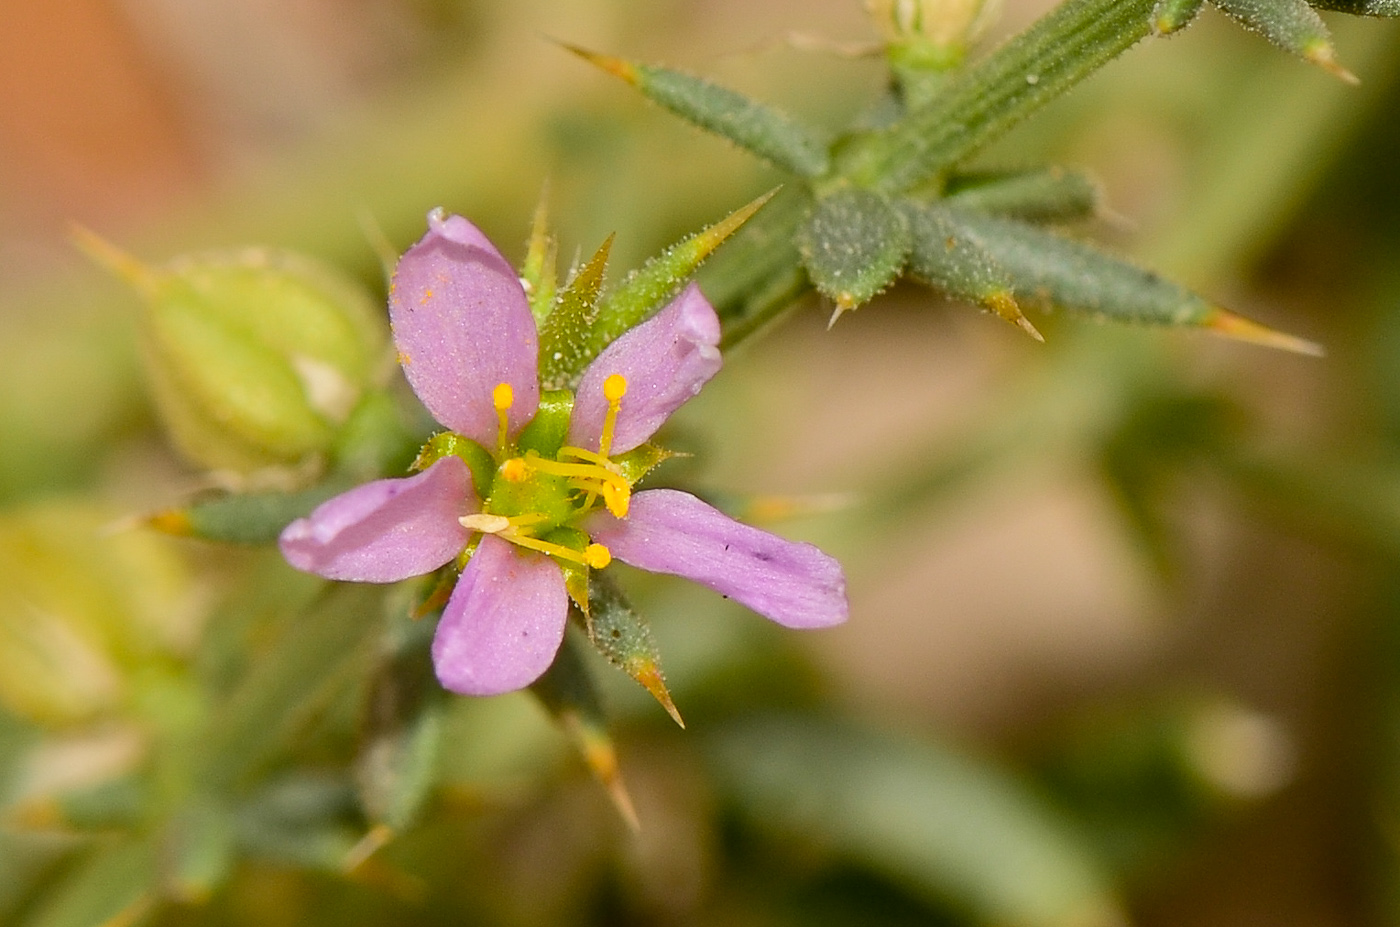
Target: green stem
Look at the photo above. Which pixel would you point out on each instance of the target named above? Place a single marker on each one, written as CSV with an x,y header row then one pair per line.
x,y
1035,67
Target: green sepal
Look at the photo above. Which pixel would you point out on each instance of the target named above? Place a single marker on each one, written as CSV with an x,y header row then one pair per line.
x,y
646,290
396,768
538,275
564,334
1174,15
853,245
244,518
1049,194
477,458
575,574
568,692
1361,7
624,638
1293,26
639,461
547,430
755,127
947,254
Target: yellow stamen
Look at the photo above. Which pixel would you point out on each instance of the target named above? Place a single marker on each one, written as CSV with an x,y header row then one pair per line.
x,y
547,547
597,556
502,397
614,388
590,477
515,470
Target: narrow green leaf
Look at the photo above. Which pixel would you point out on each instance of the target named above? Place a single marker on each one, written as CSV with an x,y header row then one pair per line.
x,y
1361,7
1060,273
303,818
566,332
117,883
243,518
853,246
646,290
1050,194
568,692
1174,15
1293,26
397,762
1073,41
289,683
944,825
946,254
753,126
198,849
624,638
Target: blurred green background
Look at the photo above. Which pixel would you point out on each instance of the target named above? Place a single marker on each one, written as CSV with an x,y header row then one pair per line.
x,y
1125,633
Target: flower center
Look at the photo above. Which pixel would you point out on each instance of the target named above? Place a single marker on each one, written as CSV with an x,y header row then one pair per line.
x,y
535,500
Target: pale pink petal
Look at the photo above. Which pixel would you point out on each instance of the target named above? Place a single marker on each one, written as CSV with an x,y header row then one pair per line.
x,y
504,622
665,360
666,531
462,326
386,530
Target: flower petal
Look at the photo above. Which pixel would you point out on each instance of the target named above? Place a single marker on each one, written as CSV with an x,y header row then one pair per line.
x,y
666,531
463,326
386,530
665,360
504,622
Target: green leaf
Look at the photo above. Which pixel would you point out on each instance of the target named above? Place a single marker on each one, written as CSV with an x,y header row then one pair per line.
x,y
1049,194
853,246
538,274
946,254
302,818
1293,26
290,682
244,518
946,826
1361,7
753,126
1073,41
624,638
198,848
1063,274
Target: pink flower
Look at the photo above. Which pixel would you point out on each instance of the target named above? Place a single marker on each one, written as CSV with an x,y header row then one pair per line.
x,y
557,505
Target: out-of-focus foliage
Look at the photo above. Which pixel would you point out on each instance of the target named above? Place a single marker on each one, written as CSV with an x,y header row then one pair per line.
x,y
194,733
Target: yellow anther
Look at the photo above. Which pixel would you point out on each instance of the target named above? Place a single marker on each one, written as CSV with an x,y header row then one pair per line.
x,y
486,524
614,388
515,470
502,397
617,498
597,556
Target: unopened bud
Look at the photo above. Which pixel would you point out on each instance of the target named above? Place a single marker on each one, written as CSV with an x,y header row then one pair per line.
x,y
255,357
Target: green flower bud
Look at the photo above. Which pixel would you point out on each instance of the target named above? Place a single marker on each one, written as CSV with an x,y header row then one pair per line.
x,y
255,358
83,609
